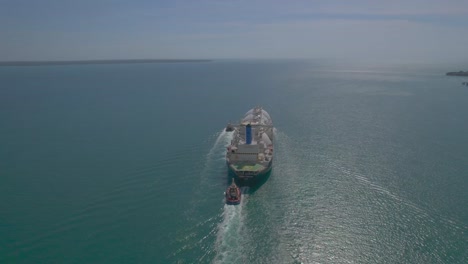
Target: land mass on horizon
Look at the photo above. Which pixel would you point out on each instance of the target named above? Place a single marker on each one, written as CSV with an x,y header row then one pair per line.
x,y
74,62
459,73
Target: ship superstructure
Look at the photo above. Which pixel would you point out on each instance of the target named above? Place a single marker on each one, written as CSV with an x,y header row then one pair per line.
x,y
250,154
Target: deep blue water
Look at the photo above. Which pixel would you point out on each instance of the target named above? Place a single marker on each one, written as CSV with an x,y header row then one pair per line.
x,y
124,163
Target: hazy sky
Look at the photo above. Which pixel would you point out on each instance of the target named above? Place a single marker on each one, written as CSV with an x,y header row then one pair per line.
x,y
100,29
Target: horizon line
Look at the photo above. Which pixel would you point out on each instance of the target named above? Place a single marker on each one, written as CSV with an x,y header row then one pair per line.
x,y
100,61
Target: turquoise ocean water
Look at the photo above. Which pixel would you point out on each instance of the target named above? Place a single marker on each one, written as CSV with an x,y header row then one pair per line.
x,y
124,163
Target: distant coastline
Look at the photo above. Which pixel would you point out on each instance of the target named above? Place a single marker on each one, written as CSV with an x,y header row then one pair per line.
x,y
77,62
459,73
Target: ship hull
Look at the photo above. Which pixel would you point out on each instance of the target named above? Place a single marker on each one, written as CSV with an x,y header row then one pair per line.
x,y
248,178
249,156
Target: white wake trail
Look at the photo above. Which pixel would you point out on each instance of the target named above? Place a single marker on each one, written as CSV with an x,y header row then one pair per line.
x,y
229,241
216,153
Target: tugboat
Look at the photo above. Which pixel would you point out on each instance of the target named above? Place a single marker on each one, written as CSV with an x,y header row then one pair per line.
x,y
233,194
229,127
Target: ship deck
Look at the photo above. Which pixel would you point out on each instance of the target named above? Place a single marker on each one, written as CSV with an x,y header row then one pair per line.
x,y
248,167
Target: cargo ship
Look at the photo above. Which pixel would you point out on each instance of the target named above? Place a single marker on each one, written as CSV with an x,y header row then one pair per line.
x,y
249,156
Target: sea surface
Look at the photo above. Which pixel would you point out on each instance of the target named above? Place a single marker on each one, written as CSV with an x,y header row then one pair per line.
x,y
124,163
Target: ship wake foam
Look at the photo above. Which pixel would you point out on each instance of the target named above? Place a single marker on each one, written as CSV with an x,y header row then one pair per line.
x,y
211,180
229,242
214,164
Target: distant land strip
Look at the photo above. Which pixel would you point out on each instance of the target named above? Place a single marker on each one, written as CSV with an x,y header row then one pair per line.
x,y
75,62
459,73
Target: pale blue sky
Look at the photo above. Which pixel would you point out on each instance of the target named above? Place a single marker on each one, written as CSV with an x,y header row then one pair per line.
x,y
417,30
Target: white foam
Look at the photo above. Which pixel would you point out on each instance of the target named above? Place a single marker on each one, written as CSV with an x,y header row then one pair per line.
x,y
229,240
216,154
